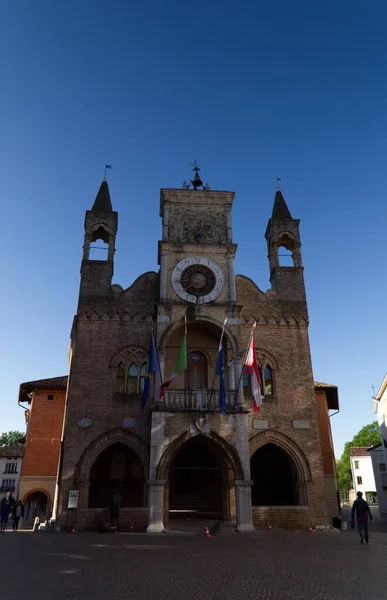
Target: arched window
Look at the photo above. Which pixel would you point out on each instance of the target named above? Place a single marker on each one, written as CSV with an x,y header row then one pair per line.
x,y
142,376
246,382
131,382
246,385
120,380
268,389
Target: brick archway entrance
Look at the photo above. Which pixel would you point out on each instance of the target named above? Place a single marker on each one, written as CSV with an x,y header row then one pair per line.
x,y
274,476
117,468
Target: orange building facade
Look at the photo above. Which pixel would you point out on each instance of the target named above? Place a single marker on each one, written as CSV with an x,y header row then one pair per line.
x,y
46,400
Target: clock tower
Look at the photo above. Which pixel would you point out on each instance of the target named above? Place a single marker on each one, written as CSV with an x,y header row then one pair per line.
x,y
196,253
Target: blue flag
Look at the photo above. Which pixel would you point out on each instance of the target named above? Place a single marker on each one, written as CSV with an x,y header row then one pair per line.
x,y
220,371
150,368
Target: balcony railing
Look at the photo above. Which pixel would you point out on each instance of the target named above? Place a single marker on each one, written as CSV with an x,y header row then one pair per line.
x,y
196,400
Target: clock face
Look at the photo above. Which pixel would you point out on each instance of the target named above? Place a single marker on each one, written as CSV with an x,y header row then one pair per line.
x,y
198,280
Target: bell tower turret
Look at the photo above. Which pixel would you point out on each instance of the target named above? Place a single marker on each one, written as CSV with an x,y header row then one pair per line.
x,y
283,232
100,224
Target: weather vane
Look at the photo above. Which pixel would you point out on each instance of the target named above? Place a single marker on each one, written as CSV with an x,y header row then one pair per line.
x,y
107,167
278,180
196,181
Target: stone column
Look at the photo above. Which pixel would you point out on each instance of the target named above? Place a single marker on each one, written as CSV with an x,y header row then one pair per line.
x,y
231,278
297,258
155,506
231,375
86,246
111,249
163,275
238,364
242,442
244,517
229,226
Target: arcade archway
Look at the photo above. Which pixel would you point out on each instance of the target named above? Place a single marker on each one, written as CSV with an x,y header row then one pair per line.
x,y
35,505
119,468
199,481
275,477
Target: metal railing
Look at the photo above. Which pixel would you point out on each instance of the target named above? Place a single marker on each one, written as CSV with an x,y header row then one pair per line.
x,y
196,400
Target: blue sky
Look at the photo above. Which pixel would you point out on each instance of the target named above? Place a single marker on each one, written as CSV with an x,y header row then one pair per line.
x,y
251,90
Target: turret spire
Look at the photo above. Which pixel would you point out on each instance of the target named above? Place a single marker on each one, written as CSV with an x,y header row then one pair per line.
x,y
102,202
280,209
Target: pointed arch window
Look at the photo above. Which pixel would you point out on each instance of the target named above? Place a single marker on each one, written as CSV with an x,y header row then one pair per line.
x,y
120,379
131,382
246,385
142,376
268,387
267,382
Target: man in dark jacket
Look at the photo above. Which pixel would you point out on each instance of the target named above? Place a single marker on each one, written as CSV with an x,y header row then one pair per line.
x,y
362,510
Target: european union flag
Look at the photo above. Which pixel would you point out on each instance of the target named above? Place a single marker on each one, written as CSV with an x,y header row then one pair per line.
x,y
220,371
150,368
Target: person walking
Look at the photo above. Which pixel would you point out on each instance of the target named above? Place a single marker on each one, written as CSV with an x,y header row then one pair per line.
x,y
115,509
7,505
362,510
18,513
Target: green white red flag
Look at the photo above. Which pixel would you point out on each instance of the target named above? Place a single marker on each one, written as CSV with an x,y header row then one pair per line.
x,y
181,365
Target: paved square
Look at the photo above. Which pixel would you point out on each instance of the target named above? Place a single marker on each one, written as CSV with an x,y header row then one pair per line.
x,y
268,566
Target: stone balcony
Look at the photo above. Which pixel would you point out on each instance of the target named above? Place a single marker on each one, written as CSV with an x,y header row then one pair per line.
x,y
205,400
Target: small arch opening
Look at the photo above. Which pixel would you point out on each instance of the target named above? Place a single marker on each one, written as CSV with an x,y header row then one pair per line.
x,y
99,245
285,251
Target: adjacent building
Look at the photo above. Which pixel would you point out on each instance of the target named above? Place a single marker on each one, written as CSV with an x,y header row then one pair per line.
x,y
45,399
11,459
362,470
379,465
379,453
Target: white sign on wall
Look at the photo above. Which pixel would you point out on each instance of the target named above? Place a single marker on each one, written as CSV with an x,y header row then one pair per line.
x,y
73,499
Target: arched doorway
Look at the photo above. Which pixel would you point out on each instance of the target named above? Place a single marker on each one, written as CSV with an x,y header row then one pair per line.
x,y
275,477
117,468
198,481
35,505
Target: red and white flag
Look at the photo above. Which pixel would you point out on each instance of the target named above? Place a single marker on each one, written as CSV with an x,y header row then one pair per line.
x,y
251,368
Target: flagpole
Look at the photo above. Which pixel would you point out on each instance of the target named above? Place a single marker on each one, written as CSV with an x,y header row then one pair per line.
x,y
244,362
186,362
220,344
158,363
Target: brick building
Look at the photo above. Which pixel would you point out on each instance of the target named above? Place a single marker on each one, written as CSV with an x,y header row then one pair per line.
x,y
44,417
181,456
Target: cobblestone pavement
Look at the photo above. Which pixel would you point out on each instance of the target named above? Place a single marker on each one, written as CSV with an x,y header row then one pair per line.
x,y
264,566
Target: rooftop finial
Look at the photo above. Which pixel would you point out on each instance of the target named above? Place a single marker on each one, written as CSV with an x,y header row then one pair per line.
x,y
107,167
278,185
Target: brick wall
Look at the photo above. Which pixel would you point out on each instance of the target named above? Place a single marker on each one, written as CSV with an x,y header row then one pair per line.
x,y
44,434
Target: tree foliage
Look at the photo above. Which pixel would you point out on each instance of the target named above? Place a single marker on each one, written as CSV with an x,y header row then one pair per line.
x,y
10,438
367,436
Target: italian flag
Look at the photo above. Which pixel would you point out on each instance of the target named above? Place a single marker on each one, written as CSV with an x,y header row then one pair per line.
x,y
181,365
251,368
